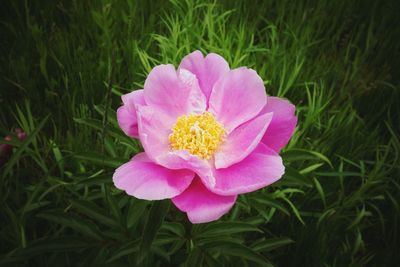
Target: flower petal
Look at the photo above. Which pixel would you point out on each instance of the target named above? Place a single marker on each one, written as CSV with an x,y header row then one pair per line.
x,y
174,93
201,205
126,114
154,129
144,179
182,159
242,141
207,69
282,125
127,121
261,168
132,99
237,97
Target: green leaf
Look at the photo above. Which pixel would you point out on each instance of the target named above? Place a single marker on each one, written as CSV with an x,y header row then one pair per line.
x,y
338,174
111,201
176,228
156,216
58,156
294,209
227,228
303,154
320,190
101,160
270,202
325,214
125,250
32,206
77,223
293,177
360,215
195,258
272,243
95,180
311,168
237,250
15,157
116,133
59,244
211,261
111,114
93,211
135,211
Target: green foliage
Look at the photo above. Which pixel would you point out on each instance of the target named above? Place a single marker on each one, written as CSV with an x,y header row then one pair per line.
x,y
65,64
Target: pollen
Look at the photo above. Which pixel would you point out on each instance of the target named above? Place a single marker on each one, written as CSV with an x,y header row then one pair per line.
x,y
201,135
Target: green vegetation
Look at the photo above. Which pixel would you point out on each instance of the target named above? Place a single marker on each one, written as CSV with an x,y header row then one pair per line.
x,y
64,65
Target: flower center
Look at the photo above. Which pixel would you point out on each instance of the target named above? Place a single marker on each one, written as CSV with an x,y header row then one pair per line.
x,y
199,134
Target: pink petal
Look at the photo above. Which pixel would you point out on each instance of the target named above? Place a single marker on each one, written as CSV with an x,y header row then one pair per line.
x,y
242,141
127,121
207,69
261,168
174,93
144,179
20,133
182,159
201,205
237,97
282,125
126,114
154,129
132,99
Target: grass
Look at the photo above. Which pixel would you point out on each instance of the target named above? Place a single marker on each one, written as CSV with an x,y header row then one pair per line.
x,y
64,65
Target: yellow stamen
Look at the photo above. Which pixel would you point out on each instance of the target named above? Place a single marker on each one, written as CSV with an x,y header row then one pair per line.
x,y
201,135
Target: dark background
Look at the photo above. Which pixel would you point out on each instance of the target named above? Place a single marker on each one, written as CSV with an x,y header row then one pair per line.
x,y
64,64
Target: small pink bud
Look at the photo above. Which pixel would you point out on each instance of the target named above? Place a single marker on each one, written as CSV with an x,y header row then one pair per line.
x,y
20,133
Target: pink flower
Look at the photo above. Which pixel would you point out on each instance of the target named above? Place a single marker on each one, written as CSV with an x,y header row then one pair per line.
x,y
20,134
5,149
209,134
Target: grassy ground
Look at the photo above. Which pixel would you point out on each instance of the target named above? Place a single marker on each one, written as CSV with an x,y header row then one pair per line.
x,y
64,65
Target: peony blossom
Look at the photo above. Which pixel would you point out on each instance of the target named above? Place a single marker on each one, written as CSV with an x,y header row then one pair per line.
x,y
209,133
